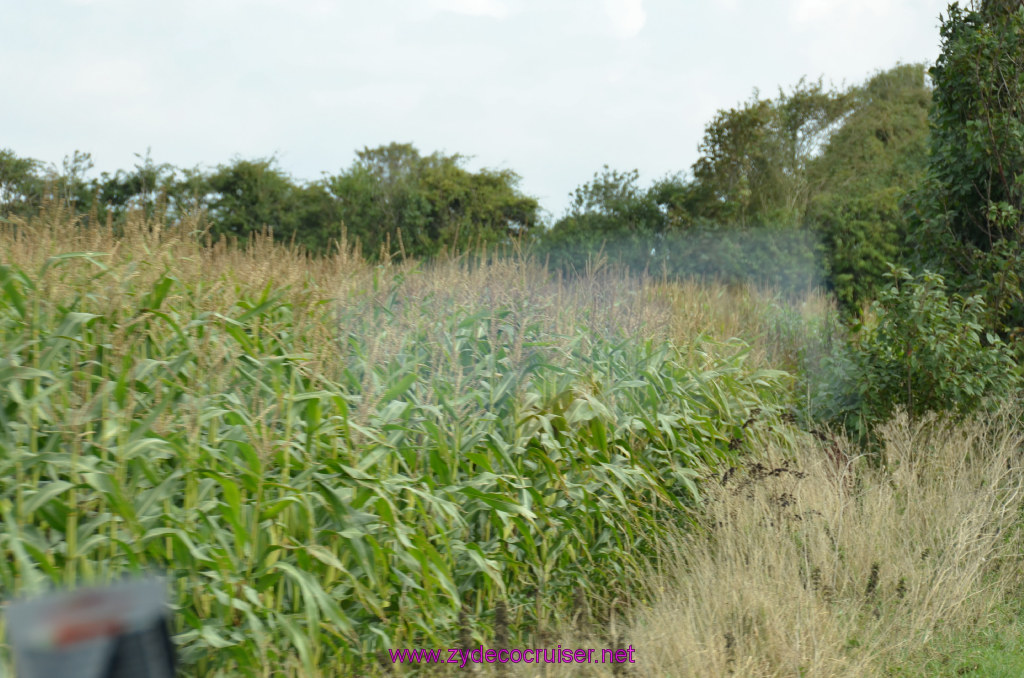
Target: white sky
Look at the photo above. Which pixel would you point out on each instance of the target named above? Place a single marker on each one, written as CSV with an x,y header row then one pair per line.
x,y
552,89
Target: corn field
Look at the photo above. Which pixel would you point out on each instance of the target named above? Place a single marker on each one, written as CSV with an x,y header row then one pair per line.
x,y
328,459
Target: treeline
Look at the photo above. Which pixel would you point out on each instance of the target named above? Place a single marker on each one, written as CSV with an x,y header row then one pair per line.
x,y
814,185
392,200
799,189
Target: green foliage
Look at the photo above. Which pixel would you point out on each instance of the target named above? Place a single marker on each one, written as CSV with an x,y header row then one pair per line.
x,y
922,350
21,187
617,196
143,187
796,191
861,234
679,201
25,183
752,174
754,159
395,200
991,650
970,209
610,215
861,177
248,196
613,218
392,199
70,186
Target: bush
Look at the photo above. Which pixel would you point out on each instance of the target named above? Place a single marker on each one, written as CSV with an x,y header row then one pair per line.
x,y
969,211
921,350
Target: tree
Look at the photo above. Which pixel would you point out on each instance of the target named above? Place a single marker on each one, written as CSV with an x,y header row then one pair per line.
x,y
679,200
69,185
21,186
861,177
735,157
662,230
970,208
114,195
752,168
612,215
392,198
247,196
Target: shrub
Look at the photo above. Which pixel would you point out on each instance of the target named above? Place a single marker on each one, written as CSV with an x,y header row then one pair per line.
x,y
969,211
921,350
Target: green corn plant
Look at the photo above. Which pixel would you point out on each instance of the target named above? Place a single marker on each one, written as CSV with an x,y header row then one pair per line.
x,y
314,502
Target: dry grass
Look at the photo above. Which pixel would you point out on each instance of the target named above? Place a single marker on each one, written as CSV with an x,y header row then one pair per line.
x,y
777,330
781,330
818,569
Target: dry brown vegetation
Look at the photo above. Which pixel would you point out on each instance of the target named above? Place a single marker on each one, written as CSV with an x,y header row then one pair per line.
x,y
806,568
603,299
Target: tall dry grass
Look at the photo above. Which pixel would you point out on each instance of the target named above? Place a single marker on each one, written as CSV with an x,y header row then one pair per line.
x,y
776,330
809,567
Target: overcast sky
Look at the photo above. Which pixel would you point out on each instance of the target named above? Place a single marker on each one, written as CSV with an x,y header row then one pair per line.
x,y
551,89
